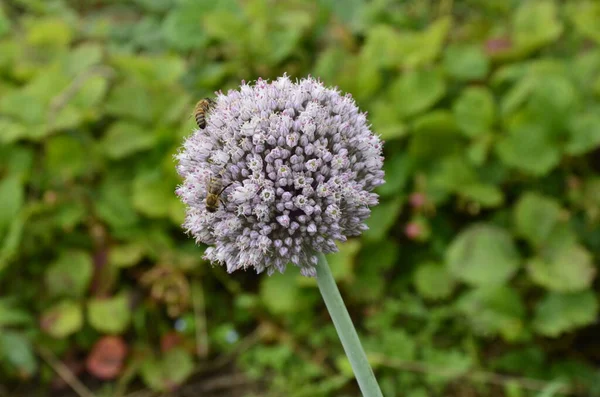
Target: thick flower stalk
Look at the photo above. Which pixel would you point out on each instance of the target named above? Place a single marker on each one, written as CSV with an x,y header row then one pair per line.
x,y
298,162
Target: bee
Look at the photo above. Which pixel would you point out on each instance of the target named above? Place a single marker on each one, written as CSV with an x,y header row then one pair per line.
x,y
201,110
214,188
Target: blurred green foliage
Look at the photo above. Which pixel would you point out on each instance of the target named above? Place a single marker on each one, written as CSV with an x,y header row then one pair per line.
x,y
481,258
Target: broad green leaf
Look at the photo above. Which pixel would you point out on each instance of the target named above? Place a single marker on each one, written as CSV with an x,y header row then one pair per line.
x,y
386,120
153,194
383,217
451,175
451,363
66,157
474,111
62,319
397,169
382,46
416,91
4,23
168,371
584,133
114,205
12,315
70,274
124,138
433,281
415,49
536,216
24,107
585,16
12,131
341,263
536,24
49,32
12,193
182,27
466,62
280,292
125,255
570,269
374,260
494,311
130,99
151,70
17,351
559,313
483,255
436,120
486,195
82,57
110,315
528,148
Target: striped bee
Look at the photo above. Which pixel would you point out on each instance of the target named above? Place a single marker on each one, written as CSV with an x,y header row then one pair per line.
x,y
201,110
214,188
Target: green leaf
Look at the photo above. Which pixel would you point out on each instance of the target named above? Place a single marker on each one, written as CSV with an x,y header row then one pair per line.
x,y
535,217
66,157
124,138
280,292
466,62
483,255
559,313
114,205
12,193
433,281
486,195
49,31
584,133
130,99
182,27
110,315
536,24
474,111
153,194
70,274
493,311
417,90
4,23
62,319
374,260
397,169
341,263
386,120
169,371
528,147
126,255
421,48
383,217
11,315
569,269
16,350
585,16
151,70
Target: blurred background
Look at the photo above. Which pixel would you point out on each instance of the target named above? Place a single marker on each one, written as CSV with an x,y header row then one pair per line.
x,y
477,276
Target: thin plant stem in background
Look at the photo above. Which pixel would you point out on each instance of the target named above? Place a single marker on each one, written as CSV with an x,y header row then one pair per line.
x,y
346,331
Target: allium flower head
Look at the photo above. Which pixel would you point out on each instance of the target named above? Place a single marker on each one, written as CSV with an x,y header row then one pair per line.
x,y
298,162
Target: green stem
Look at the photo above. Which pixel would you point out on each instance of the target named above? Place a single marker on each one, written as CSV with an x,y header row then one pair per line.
x,y
345,329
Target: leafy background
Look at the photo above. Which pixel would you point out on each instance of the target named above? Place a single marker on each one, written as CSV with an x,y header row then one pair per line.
x,y
477,276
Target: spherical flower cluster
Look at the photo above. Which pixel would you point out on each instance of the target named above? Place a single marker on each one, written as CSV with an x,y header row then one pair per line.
x,y
298,164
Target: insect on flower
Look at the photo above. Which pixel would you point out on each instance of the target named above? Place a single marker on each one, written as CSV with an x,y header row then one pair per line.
x,y
201,110
214,189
